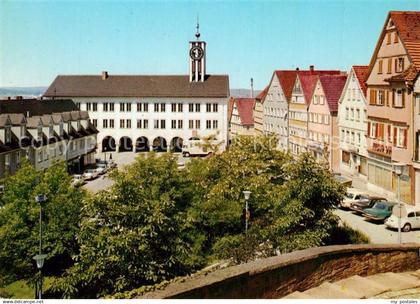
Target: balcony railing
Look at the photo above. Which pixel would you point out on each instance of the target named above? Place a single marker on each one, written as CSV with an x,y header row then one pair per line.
x,y
380,147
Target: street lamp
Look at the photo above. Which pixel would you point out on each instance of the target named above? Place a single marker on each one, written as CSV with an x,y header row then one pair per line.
x,y
398,171
247,194
40,258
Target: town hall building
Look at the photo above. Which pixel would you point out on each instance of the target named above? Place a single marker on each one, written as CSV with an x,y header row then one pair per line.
x,y
160,112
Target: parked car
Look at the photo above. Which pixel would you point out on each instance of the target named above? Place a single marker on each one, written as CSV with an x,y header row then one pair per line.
x,y
380,211
90,174
101,168
411,221
78,180
362,204
352,195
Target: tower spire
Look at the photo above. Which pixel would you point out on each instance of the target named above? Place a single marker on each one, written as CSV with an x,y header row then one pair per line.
x,y
197,34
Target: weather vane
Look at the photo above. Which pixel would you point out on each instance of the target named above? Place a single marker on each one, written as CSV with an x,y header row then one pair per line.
x,y
197,35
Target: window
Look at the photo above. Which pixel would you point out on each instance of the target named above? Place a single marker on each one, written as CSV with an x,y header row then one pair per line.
x,y
316,98
215,107
138,107
197,107
351,113
191,124
372,97
347,113
197,124
381,98
173,107
78,105
399,98
389,70
111,123
358,114
88,106
388,38
145,107
191,107
162,124
359,138
162,107
111,106
180,124
208,107
215,124
399,65
326,119
145,124
105,123
156,107
173,124
122,123
395,37
122,107
105,107
401,139
95,122
321,100
180,106
345,157
380,63
208,124
156,124
128,122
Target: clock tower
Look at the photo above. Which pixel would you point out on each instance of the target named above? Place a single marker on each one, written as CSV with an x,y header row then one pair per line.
x,y
197,58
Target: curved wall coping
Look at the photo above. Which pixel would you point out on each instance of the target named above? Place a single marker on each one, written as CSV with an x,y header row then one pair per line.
x,y
193,285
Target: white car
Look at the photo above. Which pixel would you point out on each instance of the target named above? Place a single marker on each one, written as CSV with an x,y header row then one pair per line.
x,y
90,174
78,180
352,195
101,169
411,221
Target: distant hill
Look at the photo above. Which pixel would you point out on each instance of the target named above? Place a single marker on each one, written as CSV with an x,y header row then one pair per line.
x,y
243,92
38,91
22,91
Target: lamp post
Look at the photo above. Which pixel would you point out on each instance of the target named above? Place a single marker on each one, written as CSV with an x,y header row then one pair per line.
x,y
247,194
398,172
40,258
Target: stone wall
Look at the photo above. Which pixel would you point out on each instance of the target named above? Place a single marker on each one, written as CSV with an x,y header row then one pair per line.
x,y
278,276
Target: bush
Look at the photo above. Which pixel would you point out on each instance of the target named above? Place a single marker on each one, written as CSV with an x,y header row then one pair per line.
x,y
344,234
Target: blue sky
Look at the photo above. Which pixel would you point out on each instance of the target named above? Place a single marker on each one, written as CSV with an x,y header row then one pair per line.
x,y
41,39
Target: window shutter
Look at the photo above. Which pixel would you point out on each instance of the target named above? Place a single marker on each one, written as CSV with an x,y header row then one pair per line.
x,y
395,137
389,134
396,64
393,97
368,129
405,138
387,98
403,98
376,130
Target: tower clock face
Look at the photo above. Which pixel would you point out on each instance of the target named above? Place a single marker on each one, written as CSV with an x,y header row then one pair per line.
x,y
196,52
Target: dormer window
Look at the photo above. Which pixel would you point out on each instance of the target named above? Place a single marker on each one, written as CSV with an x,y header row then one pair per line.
x,y
22,131
51,131
8,135
39,133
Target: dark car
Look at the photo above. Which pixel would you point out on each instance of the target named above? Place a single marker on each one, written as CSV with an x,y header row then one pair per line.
x,y
360,205
380,211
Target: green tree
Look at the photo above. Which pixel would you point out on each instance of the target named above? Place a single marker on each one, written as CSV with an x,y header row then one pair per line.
x,y
135,233
19,221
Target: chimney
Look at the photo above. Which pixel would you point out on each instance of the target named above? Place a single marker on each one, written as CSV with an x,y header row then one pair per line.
x,y
9,98
19,97
311,68
252,87
104,75
297,69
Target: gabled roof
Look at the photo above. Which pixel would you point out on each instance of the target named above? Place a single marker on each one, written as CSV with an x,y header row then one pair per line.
x,y
287,78
33,122
407,24
138,86
17,118
261,97
245,108
308,83
332,86
360,72
36,107
4,120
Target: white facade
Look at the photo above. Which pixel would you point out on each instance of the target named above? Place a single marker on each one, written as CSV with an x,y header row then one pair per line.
x,y
140,118
352,124
275,112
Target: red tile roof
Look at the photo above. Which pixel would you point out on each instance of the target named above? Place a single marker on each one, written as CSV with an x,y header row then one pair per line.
x,y
408,27
308,83
361,72
409,75
262,95
245,109
287,78
333,87
230,108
